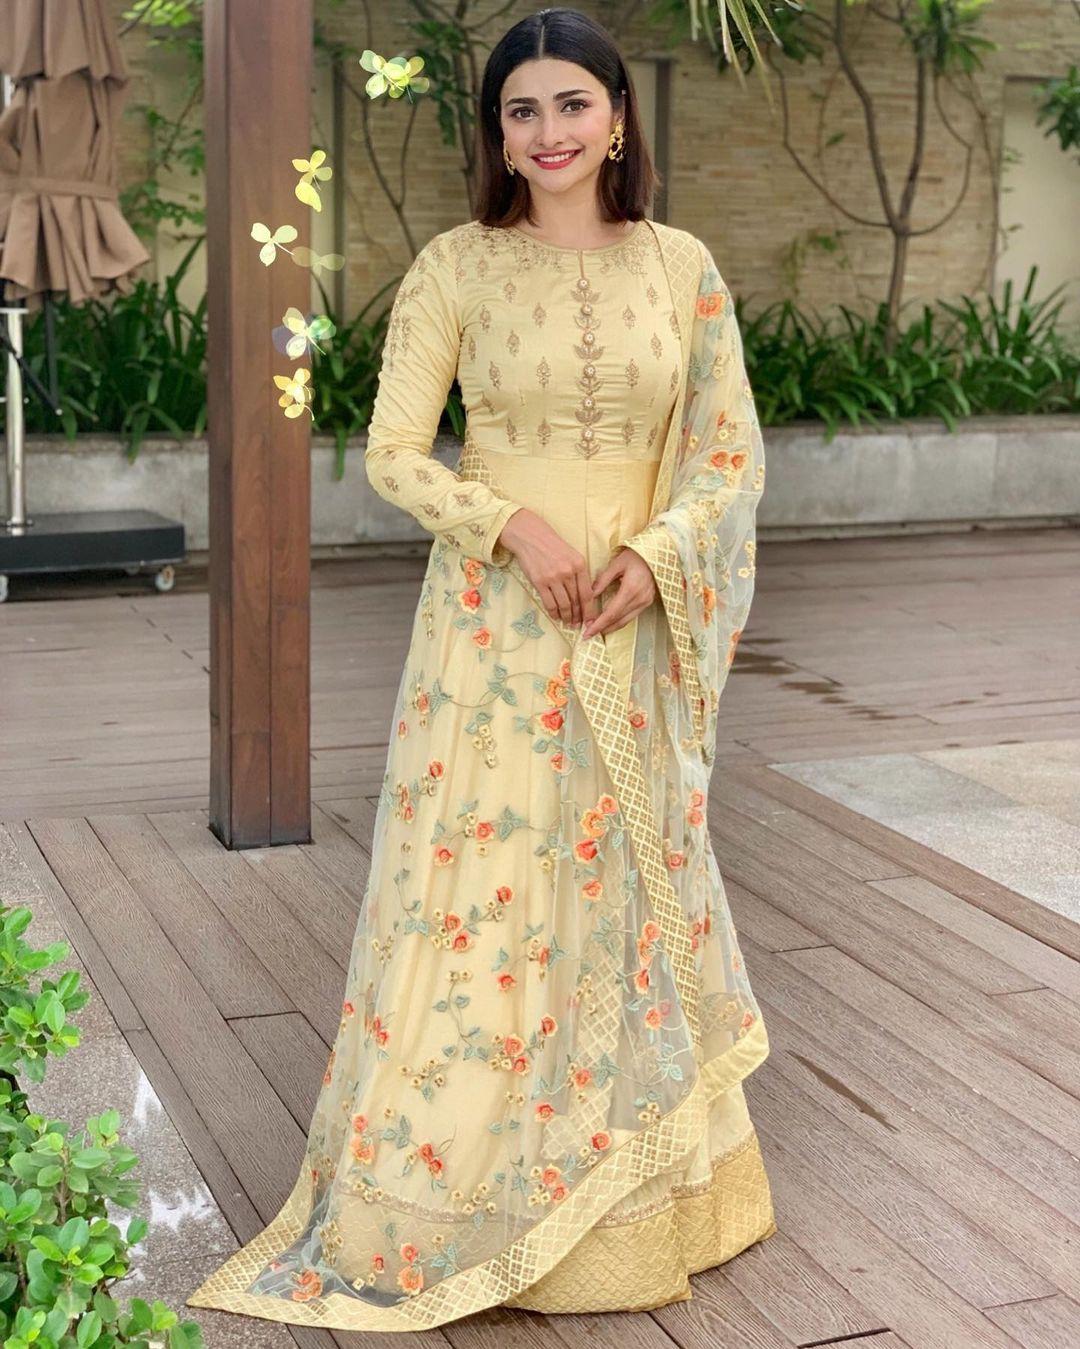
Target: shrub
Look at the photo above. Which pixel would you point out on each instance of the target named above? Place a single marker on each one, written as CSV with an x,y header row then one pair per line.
x,y
61,1252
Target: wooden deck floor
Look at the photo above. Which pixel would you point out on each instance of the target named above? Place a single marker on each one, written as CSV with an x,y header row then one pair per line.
x,y
919,1110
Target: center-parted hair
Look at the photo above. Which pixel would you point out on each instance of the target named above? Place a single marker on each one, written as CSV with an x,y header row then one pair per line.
x,y
626,186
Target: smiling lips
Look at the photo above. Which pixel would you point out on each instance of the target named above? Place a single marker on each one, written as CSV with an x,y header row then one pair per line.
x,y
556,161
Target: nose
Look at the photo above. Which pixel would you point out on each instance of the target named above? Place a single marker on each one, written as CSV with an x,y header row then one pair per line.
x,y
551,137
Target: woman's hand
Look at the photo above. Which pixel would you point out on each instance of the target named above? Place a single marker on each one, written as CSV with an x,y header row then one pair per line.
x,y
637,590
558,571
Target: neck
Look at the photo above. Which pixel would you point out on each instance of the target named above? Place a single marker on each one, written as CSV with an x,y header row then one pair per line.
x,y
572,216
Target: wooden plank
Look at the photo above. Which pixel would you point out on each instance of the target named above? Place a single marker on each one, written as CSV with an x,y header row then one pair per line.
x,y
1044,1323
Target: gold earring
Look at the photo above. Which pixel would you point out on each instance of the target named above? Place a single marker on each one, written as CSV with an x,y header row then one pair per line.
x,y
507,160
616,149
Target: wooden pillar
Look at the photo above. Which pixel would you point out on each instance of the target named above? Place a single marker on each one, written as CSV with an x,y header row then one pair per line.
x,y
258,76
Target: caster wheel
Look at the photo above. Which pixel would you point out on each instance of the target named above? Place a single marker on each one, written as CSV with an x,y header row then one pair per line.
x,y
165,578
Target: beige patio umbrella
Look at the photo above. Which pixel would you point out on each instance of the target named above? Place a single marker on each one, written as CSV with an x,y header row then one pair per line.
x,y
61,228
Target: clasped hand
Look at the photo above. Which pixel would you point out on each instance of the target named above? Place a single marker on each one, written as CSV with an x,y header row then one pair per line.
x,y
561,576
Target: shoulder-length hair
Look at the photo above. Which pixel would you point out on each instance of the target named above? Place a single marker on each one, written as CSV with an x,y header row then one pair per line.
x,y
626,186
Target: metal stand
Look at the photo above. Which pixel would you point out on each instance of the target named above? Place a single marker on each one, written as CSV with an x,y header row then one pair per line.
x,y
134,541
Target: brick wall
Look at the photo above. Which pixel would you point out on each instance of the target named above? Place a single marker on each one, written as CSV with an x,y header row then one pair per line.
x,y
731,181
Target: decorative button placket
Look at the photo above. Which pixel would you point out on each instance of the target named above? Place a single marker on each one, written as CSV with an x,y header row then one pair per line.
x,y
589,350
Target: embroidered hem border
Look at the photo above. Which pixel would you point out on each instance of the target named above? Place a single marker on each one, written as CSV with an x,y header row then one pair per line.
x,y
654,1150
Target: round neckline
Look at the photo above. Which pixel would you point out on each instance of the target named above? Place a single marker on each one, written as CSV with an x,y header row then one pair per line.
x,y
566,248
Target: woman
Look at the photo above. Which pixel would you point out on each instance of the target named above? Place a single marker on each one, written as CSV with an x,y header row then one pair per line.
x,y
535,1095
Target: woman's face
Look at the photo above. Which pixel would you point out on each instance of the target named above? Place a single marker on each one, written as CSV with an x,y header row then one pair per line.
x,y
550,107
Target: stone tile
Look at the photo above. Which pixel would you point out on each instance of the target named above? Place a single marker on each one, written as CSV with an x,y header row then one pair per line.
x,y
1044,774
183,1218
960,815
884,785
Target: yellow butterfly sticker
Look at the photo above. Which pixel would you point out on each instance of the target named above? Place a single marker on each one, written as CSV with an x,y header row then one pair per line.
x,y
284,234
305,335
298,393
395,77
310,170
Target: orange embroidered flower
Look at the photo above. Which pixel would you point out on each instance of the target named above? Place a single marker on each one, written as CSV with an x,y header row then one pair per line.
x,y
650,929
711,305
586,850
637,718
675,860
452,921
582,1077
378,1030
363,1149
592,889
359,1123
504,894
708,602
310,1282
552,721
555,692
593,823
411,1279
470,599
543,955
607,804
653,1019
559,1192
644,950
557,761
520,1064
695,816
462,941
408,1252
475,571
601,1140
548,1025
551,1175
423,702
513,1044
506,982
329,1066
564,669
641,981
347,1008
378,1263
697,797
443,856
485,830
482,638
545,1111
402,729
436,768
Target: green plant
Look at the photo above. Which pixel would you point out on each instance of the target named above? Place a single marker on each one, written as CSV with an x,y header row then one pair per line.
x,y
130,365
952,360
61,1252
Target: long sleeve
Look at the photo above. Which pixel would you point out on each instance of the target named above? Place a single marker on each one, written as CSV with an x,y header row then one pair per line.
x,y
420,358
702,548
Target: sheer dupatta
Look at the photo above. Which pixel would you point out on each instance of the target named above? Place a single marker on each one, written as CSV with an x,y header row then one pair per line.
x,y
701,547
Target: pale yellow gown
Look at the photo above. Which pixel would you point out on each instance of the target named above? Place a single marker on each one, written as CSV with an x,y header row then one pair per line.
x,y
500,852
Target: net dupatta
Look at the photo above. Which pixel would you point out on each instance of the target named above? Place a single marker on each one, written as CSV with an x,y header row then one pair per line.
x,y
701,545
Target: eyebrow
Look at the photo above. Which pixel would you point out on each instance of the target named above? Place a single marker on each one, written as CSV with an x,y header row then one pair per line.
x,y
565,94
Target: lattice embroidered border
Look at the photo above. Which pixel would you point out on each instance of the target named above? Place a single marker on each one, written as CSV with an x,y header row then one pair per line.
x,y
658,1148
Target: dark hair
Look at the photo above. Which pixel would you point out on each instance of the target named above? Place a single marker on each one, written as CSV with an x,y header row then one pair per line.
x,y
626,185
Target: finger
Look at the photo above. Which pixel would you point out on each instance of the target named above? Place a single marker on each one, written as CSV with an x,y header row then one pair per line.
x,y
563,602
588,607
610,617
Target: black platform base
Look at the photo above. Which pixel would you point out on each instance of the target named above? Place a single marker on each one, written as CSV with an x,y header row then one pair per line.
x,y
92,541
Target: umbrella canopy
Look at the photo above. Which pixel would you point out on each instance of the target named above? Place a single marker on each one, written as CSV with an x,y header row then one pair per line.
x,y
61,228
52,38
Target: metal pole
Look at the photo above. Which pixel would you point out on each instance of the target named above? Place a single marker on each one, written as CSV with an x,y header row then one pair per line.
x,y
14,421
